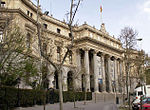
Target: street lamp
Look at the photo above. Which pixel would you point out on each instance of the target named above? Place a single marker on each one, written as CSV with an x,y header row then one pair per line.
x,y
139,39
140,44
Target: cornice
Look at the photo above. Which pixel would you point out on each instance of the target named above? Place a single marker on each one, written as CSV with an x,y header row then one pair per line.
x,y
55,21
20,12
84,39
94,30
30,27
66,65
56,34
31,5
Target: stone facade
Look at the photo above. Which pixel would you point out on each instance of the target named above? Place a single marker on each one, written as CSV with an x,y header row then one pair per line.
x,y
97,57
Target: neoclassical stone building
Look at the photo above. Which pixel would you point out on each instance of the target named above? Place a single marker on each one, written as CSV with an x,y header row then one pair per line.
x,y
97,57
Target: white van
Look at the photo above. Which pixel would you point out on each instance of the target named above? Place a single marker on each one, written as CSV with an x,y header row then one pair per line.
x,y
141,91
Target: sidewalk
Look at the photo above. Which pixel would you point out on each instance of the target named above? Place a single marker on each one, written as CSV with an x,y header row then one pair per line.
x,y
79,106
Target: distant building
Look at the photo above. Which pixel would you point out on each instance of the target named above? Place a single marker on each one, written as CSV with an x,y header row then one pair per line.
x,y
100,54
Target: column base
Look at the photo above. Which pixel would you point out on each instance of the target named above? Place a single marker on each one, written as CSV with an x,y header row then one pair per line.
x,y
104,92
96,92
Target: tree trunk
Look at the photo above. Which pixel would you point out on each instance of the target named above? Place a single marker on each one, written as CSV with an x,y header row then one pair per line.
x,y
74,97
60,90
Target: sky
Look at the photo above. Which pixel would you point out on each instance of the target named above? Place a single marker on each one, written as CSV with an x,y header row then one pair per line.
x,y
116,15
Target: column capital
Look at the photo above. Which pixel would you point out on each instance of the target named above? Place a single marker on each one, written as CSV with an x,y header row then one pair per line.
x,y
78,50
86,48
108,56
95,51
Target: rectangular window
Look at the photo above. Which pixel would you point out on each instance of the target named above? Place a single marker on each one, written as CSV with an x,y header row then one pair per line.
x,y
58,30
45,26
2,4
1,36
58,54
140,93
31,14
28,13
70,57
70,35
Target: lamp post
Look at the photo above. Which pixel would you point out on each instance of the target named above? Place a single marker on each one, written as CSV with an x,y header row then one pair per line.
x,y
141,80
139,39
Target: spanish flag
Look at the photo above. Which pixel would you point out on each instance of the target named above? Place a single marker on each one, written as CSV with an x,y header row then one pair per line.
x,y
101,9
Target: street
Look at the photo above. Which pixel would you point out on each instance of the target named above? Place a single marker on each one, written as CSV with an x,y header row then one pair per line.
x,y
90,105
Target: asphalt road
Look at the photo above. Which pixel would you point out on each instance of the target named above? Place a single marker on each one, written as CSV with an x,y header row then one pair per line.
x,y
79,106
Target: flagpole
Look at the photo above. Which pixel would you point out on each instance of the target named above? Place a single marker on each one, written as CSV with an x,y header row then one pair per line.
x,y
101,17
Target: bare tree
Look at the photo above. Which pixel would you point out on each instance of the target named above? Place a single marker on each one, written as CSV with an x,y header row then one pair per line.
x,y
77,77
16,63
128,39
73,10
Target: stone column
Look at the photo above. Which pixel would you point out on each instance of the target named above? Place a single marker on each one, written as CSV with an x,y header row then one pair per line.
x,y
103,72
109,74
95,72
86,65
64,82
116,75
78,80
121,74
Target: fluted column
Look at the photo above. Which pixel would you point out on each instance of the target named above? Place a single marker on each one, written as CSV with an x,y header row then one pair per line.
x,y
86,64
109,74
103,72
95,72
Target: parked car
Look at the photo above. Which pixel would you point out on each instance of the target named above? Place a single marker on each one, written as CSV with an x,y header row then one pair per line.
x,y
140,93
143,101
145,106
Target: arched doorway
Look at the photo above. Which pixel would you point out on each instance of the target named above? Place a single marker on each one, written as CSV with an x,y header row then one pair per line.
x,y
56,80
70,80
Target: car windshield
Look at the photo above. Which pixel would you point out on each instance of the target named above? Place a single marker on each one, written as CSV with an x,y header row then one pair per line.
x,y
140,93
146,100
134,93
